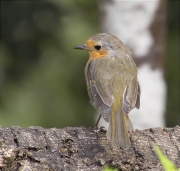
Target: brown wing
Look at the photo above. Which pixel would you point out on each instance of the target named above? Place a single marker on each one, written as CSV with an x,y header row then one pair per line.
x,y
131,96
99,92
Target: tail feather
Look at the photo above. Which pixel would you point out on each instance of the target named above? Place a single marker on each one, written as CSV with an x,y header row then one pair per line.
x,y
129,123
117,130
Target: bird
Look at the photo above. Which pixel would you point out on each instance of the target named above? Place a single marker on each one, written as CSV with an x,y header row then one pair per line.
x,y
112,84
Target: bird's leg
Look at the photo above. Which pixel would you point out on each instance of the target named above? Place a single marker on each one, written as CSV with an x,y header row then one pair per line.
x,y
101,129
96,126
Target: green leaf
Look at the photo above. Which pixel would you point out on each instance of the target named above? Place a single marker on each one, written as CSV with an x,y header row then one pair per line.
x,y
106,168
166,163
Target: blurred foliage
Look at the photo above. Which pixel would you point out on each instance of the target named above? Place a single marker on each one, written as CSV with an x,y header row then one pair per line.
x,y
42,77
172,69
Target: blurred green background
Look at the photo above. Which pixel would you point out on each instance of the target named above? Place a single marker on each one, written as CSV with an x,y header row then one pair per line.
x,y
42,77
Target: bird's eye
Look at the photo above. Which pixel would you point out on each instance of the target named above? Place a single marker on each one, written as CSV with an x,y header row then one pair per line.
x,y
97,47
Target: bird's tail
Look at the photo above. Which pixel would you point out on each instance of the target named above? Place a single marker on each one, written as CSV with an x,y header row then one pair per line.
x,y
119,125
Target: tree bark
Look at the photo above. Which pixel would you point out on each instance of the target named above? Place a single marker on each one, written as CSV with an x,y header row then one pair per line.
x,y
83,149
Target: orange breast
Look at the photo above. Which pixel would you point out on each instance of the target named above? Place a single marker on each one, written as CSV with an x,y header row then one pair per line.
x,y
97,54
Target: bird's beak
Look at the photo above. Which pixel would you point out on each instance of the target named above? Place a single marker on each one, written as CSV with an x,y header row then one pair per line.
x,y
81,47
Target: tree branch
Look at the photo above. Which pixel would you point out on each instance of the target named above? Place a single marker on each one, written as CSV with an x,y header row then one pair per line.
x,y
81,148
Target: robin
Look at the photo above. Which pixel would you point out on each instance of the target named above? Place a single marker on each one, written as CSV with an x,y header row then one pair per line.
x,y
112,84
